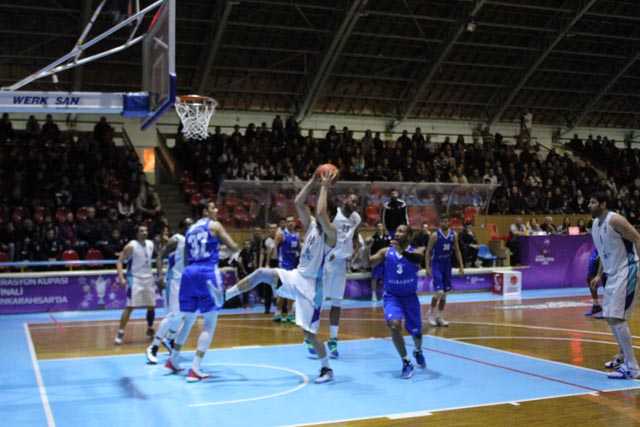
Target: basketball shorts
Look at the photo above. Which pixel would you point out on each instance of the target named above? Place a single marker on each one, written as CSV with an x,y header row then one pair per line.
x,y
377,272
620,293
441,276
173,294
404,307
334,278
196,288
141,292
307,293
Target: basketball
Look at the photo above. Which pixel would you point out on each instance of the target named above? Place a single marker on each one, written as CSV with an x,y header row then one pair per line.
x,y
327,168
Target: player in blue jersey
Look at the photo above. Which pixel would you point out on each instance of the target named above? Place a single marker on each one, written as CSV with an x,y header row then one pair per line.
x,y
401,266
287,244
201,287
169,325
304,283
441,246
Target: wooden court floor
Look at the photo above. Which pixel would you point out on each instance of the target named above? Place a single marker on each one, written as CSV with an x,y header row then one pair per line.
x,y
548,328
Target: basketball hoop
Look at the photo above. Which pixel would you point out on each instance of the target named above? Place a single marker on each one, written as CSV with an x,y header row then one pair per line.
x,y
195,112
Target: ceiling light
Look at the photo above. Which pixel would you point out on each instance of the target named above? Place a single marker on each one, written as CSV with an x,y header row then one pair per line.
x,y
471,26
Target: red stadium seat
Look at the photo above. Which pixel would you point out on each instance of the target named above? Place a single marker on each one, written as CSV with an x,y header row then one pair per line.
x,y
4,258
20,213
70,255
94,255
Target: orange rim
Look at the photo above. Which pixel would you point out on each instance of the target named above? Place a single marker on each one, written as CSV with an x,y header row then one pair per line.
x,y
195,99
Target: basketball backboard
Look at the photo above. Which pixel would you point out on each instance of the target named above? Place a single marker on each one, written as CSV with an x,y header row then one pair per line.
x,y
158,80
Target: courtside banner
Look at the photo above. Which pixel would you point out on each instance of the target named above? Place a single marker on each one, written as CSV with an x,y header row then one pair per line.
x,y
61,102
35,292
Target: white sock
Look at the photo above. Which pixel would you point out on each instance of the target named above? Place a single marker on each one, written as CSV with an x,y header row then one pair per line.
x,y
196,363
623,334
325,362
333,331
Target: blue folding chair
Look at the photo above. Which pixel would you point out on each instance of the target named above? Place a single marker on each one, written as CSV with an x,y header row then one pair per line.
x,y
484,253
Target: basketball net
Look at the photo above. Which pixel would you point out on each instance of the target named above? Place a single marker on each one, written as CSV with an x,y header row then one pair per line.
x,y
195,113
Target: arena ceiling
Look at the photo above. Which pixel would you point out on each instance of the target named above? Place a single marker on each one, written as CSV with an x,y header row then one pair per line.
x,y
571,62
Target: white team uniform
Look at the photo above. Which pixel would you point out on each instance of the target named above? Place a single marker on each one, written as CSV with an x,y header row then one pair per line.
x,y
620,263
304,283
174,274
335,266
140,287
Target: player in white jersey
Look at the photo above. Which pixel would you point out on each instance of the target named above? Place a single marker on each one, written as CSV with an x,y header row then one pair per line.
x,y
139,280
169,325
618,244
334,277
304,283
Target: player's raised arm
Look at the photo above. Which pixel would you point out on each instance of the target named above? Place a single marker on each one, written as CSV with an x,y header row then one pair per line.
x,y
301,202
322,212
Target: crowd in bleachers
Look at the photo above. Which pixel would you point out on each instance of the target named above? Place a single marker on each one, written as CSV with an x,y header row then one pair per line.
x,y
70,194
531,179
79,191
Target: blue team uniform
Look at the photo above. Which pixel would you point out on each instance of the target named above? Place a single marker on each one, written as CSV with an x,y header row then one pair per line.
x,y
288,251
592,269
401,286
202,273
441,261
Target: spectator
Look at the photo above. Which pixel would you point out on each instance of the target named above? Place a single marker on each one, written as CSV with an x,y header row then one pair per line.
x,y
32,128
50,129
531,202
526,122
8,239
421,239
579,204
548,226
516,229
490,177
468,245
534,227
125,206
102,130
114,245
6,129
582,226
90,233
112,221
50,247
148,202
564,227
394,213
68,232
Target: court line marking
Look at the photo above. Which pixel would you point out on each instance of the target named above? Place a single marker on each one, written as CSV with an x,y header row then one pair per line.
x,y
305,382
413,414
538,338
36,370
94,324
521,355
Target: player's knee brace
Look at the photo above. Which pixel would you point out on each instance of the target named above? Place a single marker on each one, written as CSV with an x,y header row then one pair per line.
x,y
440,295
336,302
